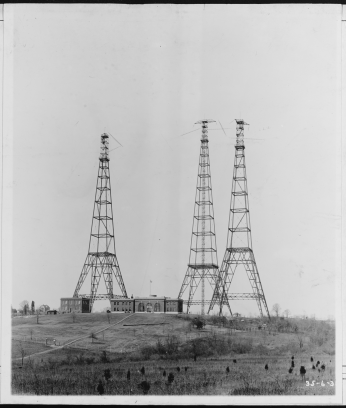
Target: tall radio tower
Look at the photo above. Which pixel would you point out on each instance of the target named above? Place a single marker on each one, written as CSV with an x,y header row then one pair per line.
x,y
203,263
239,252
101,259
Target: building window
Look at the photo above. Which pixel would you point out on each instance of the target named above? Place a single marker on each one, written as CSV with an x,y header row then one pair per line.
x,y
141,307
149,307
157,307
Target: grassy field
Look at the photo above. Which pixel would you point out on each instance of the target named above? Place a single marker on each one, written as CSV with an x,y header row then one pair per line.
x,y
164,343
140,330
30,348
61,326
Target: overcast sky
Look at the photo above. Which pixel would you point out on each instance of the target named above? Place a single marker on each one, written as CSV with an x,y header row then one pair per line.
x,y
146,74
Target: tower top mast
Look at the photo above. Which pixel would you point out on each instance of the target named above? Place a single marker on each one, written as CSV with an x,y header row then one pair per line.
x,y
104,147
240,133
204,123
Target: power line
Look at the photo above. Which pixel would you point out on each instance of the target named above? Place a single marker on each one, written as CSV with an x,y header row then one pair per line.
x,y
189,132
222,129
114,149
115,139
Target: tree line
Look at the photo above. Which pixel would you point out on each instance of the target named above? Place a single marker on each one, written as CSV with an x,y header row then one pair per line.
x,y
29,309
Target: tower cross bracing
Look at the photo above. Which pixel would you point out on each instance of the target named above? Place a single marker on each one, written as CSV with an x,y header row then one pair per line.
x,y
239,253
101,260
203,262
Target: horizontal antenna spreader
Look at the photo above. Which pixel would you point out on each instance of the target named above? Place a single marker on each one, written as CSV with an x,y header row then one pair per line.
x,y
241,122
205,121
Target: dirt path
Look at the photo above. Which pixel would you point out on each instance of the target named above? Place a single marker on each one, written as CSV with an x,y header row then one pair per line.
x,y
73,341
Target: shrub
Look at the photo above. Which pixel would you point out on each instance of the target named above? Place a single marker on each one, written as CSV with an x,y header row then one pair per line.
x,y
198,322
80,358
172,344
261,350
146,352
218,320
104,358
160,347
90,360
221,346
242,347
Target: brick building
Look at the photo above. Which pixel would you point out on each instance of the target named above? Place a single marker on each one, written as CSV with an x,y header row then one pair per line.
x,y
72,304
151,304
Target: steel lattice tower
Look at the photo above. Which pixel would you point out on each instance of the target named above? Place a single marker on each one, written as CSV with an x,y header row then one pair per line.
x,y
203,263
239,250
101,259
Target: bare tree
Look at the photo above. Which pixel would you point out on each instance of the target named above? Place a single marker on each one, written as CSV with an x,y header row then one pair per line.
x,y
80,358
44,308
264,335
25,306
32,307
300,340
30,363
276,309
22,351
69,356
37,315
287,313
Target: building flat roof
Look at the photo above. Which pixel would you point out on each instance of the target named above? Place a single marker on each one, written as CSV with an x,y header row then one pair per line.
x,y
146,298
69,298
73,298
